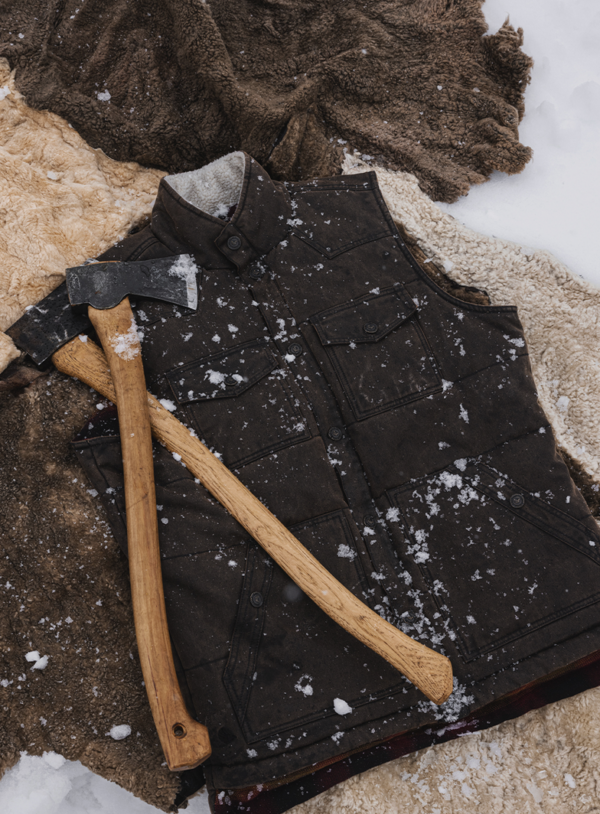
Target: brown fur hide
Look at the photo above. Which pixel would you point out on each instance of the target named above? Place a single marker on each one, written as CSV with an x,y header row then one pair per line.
x,y
64,591
416,84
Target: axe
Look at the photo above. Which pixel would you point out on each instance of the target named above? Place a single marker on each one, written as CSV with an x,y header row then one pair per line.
x,y
43,332
101,290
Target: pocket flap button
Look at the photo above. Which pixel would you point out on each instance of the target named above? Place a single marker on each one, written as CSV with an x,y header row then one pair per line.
x,y
371,328
517,501
230,381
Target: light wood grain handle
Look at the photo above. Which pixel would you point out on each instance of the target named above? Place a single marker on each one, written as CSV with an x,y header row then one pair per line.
x,y
185,742
431,672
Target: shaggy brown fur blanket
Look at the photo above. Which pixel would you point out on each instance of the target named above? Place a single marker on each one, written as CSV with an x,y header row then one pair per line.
x,y
416,84
64,592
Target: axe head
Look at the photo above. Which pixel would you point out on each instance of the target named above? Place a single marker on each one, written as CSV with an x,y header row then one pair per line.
x,y
45,327
104,285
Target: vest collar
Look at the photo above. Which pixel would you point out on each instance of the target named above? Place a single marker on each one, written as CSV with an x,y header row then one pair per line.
x,y
186,213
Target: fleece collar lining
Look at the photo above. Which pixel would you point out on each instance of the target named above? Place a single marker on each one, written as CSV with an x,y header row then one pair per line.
x,y
215,188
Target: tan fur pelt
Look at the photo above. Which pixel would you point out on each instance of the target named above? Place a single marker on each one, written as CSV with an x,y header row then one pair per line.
x,y
560,311
544,761
60,203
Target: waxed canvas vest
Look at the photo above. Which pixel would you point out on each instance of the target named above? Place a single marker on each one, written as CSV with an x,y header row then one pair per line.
x,y
394,429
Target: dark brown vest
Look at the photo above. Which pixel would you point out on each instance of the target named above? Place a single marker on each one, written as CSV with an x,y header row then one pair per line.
x,y
395,430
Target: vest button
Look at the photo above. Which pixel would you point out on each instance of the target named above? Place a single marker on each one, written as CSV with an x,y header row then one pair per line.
x,y
256,599
517,501
234,242
230,381
256,273
371,328
369,520
295,349
335,433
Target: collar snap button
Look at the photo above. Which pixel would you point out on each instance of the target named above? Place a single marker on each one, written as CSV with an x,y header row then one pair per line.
x,y
371,328
233,242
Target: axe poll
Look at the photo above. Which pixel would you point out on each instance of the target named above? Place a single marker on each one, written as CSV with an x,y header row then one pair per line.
x,y
428,670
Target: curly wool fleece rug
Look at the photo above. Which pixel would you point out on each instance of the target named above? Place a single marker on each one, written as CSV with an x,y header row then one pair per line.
x,y
177,83
63,585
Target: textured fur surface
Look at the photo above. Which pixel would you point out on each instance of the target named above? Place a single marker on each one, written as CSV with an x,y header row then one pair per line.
x,y
61,202
177,83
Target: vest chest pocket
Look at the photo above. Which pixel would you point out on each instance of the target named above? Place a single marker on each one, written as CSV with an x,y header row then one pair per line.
x,y
241,402
378,351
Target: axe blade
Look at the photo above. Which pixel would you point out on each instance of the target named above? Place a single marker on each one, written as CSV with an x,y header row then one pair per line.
x,y
104,285
47,326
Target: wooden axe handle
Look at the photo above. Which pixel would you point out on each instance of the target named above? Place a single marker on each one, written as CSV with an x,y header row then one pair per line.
x,y
185,742
431,672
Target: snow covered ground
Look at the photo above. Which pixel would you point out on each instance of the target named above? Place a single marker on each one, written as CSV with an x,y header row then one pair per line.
x,y
551,205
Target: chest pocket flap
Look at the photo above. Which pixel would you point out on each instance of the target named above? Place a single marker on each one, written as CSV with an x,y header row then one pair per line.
x,y
366,320
378,351
240,402
223,375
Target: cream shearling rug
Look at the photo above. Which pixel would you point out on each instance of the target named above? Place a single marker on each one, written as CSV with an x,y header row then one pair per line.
x,y
63,202
60,202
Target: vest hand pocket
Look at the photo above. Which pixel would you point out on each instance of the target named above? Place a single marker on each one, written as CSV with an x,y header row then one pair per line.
x,y
501,562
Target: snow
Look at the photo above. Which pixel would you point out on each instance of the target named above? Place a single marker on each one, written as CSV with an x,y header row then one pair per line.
x,y
53,785
118,733
126,345
341,707
550,205
168,405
